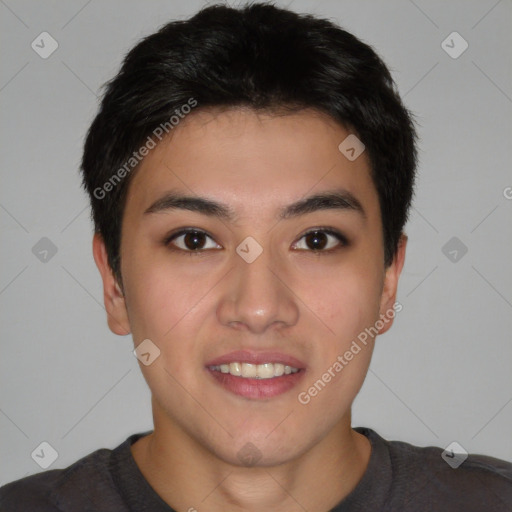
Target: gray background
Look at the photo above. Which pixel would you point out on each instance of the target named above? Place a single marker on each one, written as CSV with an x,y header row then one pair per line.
x,y
443,371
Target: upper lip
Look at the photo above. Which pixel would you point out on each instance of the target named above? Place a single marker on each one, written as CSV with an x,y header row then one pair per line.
x,y
254,357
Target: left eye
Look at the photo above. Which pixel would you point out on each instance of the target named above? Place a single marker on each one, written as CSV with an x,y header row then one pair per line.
x,y
317,240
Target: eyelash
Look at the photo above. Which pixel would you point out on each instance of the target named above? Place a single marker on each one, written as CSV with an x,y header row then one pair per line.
x,y
328,231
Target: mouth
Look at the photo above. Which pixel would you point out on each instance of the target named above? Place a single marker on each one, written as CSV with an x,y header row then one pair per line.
x,y
255,371
256,375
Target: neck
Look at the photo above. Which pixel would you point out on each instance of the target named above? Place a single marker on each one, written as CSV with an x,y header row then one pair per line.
x,y
187,476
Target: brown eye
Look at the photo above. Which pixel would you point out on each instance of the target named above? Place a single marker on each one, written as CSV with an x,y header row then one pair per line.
x,y
191,241
316,240
322,240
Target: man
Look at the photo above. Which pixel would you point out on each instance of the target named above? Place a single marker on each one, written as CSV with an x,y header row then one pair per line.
x,y
250,174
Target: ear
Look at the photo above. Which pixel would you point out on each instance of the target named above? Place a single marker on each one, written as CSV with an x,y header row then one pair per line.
x,y
113,297
389,289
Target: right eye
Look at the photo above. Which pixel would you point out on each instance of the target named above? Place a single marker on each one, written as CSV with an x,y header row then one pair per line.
x,y
189,240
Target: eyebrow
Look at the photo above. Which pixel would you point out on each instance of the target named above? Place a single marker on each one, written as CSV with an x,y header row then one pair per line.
x,y
331,200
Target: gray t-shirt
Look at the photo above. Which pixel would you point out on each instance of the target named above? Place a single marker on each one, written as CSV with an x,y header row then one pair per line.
x,y
399,477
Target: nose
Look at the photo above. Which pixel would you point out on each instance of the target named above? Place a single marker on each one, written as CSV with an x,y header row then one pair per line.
x,y
258,295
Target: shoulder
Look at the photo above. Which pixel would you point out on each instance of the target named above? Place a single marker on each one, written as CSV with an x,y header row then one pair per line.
x,y
447,479
53,490
31,493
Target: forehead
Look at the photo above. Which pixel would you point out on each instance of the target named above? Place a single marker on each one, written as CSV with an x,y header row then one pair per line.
x,y
252,161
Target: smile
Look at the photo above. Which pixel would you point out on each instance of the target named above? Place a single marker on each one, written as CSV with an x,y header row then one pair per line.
x,y
256,374
255,371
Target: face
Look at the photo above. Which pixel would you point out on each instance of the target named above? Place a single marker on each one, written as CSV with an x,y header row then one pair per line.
x,y
251,284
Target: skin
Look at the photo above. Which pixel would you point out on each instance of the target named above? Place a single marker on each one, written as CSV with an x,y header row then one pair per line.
x,y
290,299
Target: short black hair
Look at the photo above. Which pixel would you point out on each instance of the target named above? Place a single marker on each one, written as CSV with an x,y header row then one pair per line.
x,y
259,56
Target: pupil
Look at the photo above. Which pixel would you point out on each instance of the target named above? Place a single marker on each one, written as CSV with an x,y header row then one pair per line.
x,y
318,239
195,240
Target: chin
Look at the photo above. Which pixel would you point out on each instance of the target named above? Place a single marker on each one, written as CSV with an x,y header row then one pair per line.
x,y
260,449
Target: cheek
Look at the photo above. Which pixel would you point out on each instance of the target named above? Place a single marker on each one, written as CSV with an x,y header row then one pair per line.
x,y
346,301
159,297
166,306
163,309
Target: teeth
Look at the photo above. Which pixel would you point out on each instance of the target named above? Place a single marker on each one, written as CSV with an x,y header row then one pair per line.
x,y
235,369
255,371
249,371
278,369
264,371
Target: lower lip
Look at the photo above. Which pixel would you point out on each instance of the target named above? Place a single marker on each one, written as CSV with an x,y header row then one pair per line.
x,y
257,388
